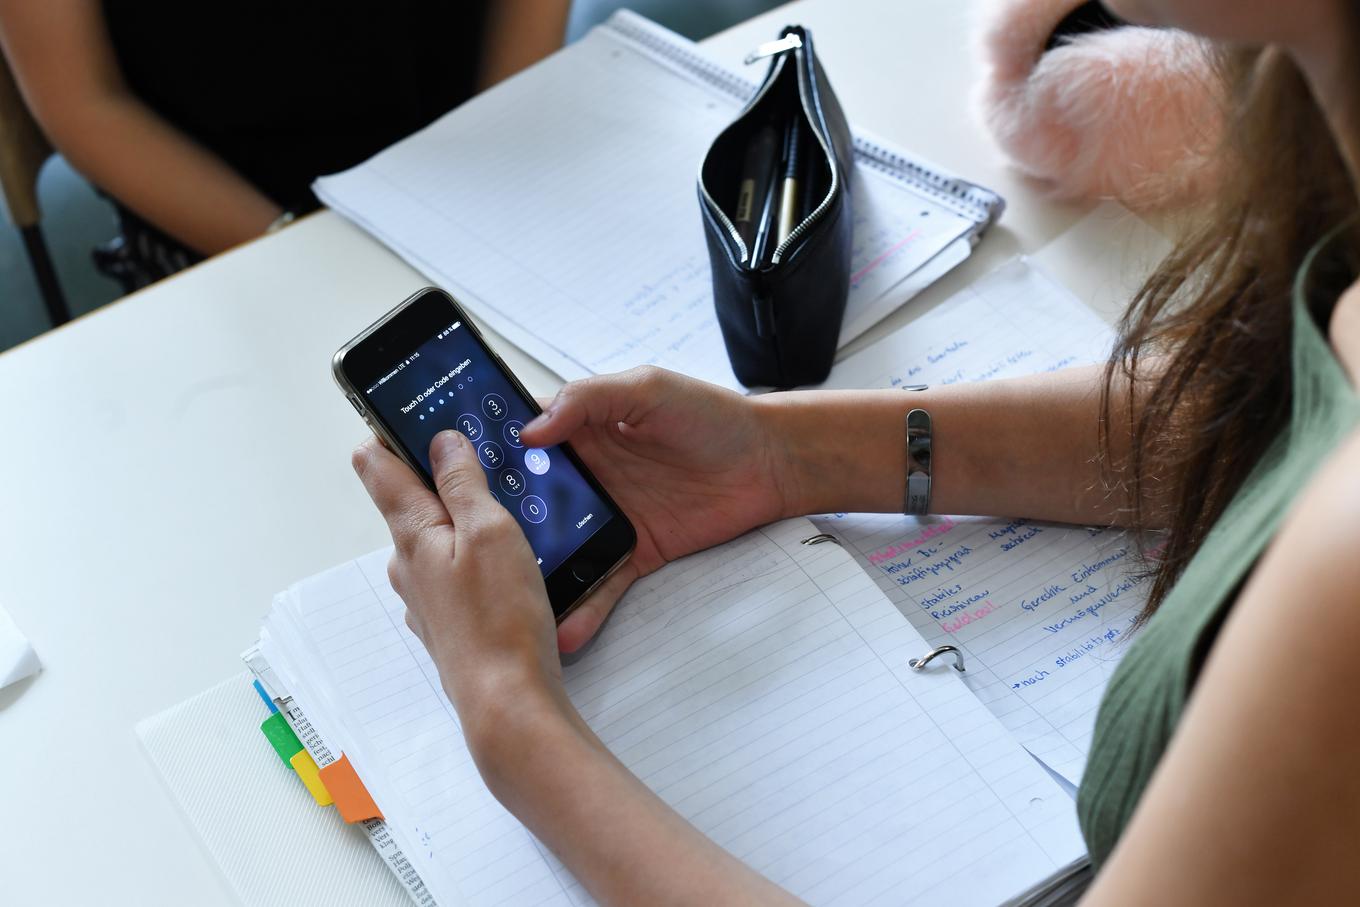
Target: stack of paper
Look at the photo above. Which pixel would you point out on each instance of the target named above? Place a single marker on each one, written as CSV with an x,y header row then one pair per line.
x,y
761,688
560,207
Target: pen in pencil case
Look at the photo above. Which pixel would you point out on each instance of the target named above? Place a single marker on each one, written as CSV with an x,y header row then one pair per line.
x,y
757,171
762,247
788,186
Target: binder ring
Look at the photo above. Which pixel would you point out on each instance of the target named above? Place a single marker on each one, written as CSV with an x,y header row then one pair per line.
x,y
918,664
819,538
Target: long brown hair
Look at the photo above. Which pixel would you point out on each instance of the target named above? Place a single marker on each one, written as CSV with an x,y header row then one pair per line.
x,y
1206,343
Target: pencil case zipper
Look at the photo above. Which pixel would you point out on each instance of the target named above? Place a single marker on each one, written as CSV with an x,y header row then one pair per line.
x,y
818,130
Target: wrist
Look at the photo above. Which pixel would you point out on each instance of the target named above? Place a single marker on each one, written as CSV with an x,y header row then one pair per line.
x,y
789,455
505,715
841,450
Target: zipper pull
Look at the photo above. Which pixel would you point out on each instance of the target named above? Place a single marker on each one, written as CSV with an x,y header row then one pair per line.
x,y
789,42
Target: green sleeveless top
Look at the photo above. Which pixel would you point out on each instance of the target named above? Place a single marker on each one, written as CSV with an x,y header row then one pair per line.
x,y
1149,688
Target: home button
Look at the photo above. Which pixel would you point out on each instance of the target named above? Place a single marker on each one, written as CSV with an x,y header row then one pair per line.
x,y
584,572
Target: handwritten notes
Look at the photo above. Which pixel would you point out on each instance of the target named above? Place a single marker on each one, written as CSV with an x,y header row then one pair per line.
x,y
761,688
1039,610
560,207
1014,321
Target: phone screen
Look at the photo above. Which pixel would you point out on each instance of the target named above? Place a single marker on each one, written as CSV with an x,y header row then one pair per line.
x,y
450,380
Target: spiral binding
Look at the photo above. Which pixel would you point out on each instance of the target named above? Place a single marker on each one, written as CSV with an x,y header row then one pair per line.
x,y
719,77
982,206
975,203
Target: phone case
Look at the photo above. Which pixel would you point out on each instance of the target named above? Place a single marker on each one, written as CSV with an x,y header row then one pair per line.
x,y
780,304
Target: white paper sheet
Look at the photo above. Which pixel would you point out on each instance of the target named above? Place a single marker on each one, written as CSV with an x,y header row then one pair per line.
x,y
761,688
17,658
561,207
1039,610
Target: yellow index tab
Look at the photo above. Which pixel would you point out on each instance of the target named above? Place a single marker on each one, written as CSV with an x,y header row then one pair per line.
x,y
306,769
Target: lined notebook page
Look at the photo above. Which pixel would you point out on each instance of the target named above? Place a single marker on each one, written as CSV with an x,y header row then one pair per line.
x,y
1040,610
760,688
561,208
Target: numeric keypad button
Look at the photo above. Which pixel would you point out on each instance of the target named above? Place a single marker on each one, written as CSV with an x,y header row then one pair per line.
x,y
536,461
491,455
470,426
494,406
512,482
511,433
533,508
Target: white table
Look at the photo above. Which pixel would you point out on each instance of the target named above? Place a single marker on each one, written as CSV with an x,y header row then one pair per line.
x,y
174,459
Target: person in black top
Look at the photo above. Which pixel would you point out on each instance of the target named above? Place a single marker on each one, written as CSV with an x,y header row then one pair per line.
x,y
206,126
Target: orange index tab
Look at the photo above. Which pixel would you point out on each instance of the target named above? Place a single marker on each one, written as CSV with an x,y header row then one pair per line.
x,y
351,797
306,769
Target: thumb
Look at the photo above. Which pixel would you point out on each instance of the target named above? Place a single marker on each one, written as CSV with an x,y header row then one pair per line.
x,y
459,479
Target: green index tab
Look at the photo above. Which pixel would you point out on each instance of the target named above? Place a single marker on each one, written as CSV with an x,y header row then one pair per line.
x,y
281,737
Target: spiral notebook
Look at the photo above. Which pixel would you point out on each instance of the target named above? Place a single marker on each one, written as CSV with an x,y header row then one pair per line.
x,y
560,207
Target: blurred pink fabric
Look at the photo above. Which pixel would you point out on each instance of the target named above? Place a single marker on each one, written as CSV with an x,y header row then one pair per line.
x,y
1129,113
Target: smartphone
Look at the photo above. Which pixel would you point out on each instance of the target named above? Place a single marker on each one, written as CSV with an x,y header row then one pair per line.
x,y
424,367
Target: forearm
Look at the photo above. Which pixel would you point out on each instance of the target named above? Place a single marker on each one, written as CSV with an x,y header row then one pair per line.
x,y
69,75
518,34
1020,447
126,149
622,841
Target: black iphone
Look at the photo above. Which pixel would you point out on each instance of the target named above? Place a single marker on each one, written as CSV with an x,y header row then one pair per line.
x,y
423,367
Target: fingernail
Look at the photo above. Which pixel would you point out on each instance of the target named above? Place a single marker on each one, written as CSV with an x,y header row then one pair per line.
x,y
447,443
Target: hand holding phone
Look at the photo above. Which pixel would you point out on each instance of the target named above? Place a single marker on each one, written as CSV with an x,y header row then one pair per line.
x,y
423,368
470,582
692,464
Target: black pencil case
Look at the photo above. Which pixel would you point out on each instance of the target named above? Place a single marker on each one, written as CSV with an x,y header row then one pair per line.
x,y
780,297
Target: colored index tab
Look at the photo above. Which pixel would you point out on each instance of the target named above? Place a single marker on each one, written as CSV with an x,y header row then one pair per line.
x,y
306,769
281,736
351,797
259,688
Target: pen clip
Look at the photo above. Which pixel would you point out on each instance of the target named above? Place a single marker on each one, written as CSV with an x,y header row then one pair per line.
x,y
774,48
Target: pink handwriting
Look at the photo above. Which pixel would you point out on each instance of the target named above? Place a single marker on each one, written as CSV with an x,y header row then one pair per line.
x,y
963,620
932,531
884,256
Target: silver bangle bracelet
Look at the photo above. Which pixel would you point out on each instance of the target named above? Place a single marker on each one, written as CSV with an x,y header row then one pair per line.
x,y
916,500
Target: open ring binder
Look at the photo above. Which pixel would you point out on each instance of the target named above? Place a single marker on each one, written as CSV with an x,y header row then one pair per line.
x,y
919,664
916,664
